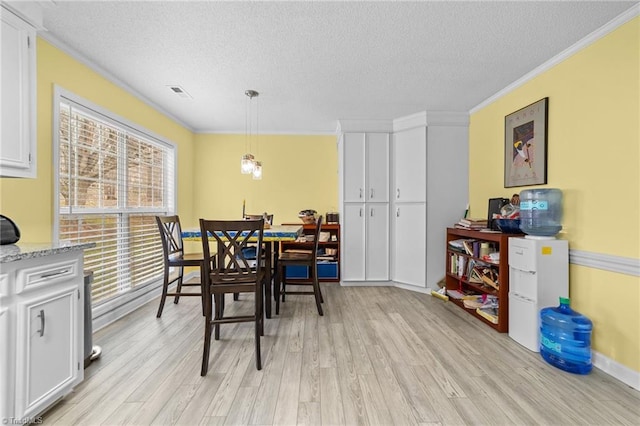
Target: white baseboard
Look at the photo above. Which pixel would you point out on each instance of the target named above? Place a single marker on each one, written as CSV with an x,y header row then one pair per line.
x,y
616,370
366,283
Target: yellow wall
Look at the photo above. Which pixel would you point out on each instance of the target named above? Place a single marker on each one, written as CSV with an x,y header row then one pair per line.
x,y
29,202
593,156
299,172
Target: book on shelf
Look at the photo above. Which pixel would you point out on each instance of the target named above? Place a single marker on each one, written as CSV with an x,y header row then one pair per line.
x,y
461,294
490,314
470,223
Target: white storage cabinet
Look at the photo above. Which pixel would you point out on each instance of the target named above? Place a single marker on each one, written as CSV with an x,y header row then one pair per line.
x,y
429,177
364,159
41,316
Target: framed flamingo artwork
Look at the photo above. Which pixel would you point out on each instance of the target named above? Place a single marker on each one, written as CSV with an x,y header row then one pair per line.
x,y
525,145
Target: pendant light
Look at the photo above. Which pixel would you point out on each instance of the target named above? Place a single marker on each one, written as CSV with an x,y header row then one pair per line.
x,y
248,163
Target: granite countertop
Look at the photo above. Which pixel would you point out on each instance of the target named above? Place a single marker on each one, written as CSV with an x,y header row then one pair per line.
x,y
15,252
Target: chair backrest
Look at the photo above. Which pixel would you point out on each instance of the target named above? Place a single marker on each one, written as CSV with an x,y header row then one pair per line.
x,y
316,239
171,236
229,238
269,218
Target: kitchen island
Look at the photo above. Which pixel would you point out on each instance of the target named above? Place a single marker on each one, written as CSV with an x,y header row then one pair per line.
x,y
41,326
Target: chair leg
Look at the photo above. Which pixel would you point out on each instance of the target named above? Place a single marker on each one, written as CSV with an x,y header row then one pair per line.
x,y
236,296
283,279
316,289
179,287
202,292
207,341
259,325
277,282
219,300
165,286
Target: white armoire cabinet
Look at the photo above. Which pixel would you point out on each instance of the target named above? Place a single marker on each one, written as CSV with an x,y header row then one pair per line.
x,y
364,192
18,88
429,181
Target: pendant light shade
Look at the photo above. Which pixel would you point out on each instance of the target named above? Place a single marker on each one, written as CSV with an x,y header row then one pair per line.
x,y
257,170
247,164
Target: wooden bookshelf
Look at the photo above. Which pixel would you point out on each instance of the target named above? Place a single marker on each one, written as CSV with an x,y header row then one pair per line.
x,y
328,251
457,279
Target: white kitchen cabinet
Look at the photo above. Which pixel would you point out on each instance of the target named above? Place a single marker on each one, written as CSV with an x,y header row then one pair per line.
x,y
377,242
18,88
365,250
410,165
409,244
366,167
429,177
43,323
353,242
4,337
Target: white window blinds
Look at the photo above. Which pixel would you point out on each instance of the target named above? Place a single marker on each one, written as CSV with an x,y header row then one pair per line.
x,y
112,179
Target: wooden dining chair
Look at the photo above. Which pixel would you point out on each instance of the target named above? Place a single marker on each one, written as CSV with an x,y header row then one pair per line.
x,y
175,257
233,273
307,258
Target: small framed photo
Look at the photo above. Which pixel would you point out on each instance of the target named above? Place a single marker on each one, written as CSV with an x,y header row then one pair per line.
x,y
525,145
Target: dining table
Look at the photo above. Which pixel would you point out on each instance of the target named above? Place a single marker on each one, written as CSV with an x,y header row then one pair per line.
x,y
271,238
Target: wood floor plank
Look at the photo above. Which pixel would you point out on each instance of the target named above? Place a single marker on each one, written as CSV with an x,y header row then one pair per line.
x,y
309,414
352,403
374,402
239,413
331,409
310,375
286,412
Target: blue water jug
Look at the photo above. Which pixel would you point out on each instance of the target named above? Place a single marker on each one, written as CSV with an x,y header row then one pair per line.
x,y
541,211
565,338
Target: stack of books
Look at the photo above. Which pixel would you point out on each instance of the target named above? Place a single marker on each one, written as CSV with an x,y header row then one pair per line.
x,y
470,223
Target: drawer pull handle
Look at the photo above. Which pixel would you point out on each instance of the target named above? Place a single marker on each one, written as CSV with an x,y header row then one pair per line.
x,y
360,196
41,316
371,193
55,273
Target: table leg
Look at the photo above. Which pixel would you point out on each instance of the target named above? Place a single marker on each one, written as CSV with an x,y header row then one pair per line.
x,y
267,287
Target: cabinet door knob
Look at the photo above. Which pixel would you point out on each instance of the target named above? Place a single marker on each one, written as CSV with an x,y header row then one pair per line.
x,y
360,196
361,212
398,193
371,193
371,211
398,212
41,316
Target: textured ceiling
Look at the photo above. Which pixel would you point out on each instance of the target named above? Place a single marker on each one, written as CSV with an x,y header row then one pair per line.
x,y
317,62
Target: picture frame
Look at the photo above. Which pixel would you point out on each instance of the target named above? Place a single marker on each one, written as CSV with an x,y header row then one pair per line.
x,y
525,145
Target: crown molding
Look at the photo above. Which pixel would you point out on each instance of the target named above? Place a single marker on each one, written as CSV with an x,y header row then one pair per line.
x,y
431,118
363,125
596,35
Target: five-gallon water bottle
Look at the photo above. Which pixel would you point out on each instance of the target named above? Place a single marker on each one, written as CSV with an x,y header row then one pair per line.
x,y
541,212
565,338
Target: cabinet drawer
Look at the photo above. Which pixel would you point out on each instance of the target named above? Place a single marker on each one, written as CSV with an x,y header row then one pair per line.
x,y
50,273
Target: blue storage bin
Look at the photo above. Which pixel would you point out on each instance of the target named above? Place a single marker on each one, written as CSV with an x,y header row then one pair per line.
x,y
294,272
328,270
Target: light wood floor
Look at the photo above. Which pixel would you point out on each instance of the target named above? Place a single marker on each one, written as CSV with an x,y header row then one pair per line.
x,y
380,355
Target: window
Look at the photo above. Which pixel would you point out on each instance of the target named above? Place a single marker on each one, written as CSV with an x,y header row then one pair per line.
x,y
113,178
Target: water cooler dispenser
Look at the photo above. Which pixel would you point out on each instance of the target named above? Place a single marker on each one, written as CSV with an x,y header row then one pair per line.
x,y
538,276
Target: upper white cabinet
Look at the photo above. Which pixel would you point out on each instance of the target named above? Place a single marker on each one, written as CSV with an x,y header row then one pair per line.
x,y
366,167
409,165
18,119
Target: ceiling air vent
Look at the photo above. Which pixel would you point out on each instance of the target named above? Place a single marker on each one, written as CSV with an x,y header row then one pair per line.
x,y
180,92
